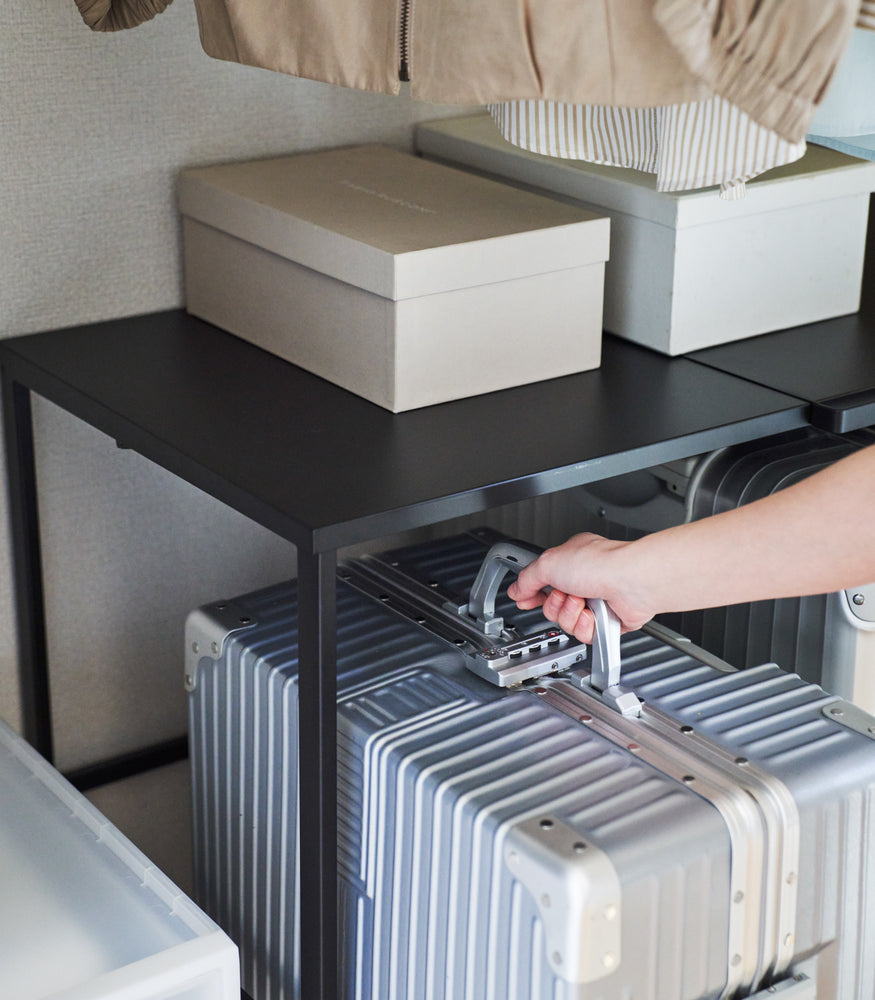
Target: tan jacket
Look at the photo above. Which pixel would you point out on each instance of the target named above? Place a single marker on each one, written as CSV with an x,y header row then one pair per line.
x,y
468,52
772,58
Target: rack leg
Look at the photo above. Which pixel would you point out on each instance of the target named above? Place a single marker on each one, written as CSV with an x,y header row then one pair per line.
x,y
27,567
317,701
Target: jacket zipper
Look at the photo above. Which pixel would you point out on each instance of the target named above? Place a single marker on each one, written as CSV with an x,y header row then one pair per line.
x,y
404,39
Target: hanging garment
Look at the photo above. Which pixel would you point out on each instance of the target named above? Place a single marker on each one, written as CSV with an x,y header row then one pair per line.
x,y
105,15
699,144
456,53
772,58
700,92
691,145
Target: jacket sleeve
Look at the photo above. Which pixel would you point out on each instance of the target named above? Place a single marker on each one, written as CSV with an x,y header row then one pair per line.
x,y
772,58
116,15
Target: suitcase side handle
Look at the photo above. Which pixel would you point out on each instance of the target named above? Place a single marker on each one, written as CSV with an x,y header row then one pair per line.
x,y
606,661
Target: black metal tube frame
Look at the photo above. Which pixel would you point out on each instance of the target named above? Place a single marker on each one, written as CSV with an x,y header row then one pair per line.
x,y
51,368
30,617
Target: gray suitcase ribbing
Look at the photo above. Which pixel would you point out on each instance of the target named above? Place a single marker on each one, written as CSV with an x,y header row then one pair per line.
x,y
530,842
818,634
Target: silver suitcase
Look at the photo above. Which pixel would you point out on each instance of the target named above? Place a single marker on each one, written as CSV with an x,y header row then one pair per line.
x,y
519,820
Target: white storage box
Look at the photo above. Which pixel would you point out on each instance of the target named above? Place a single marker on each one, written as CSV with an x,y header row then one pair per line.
x,y
83,914
402,280
690,270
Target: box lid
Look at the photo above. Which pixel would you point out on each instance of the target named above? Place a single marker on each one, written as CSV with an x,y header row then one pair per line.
x,y
392,223
474,140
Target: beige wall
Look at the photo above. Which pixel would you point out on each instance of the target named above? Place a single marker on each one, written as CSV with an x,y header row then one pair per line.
x,y
92,131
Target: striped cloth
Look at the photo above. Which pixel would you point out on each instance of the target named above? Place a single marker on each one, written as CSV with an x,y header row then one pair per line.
x,y
700,144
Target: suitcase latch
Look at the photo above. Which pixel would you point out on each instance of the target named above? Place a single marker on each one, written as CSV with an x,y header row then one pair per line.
x,y
500,654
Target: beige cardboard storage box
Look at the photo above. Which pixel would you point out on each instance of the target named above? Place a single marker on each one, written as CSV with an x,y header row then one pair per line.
x,y
403,280
690,270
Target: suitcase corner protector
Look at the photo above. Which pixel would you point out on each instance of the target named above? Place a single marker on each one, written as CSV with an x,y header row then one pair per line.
x,y
206,631
576,889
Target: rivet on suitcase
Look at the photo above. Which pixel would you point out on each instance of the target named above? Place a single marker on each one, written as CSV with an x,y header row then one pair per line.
x,y
522,821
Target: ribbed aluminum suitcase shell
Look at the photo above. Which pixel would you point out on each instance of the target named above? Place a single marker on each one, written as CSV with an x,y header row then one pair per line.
x,y
828,637
529,842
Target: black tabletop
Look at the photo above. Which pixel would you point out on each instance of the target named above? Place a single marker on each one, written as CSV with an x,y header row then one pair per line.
x,y
326,468
829,364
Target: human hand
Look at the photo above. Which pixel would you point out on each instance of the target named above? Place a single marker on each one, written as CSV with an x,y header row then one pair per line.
x,y
586,566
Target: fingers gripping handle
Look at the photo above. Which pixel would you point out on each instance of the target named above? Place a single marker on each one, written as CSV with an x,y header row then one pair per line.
x,y
504,556
606,664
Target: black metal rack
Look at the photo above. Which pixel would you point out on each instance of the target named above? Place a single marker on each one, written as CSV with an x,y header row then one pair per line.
x,y
831,365
323,469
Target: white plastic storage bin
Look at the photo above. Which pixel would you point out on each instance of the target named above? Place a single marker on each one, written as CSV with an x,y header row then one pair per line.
x,y
402,280
83,914
689,270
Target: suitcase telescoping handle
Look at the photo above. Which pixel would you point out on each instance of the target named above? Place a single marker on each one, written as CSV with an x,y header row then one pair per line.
x,y
606,665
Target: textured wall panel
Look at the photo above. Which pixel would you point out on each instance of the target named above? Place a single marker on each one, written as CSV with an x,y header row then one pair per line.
x,y
93,128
